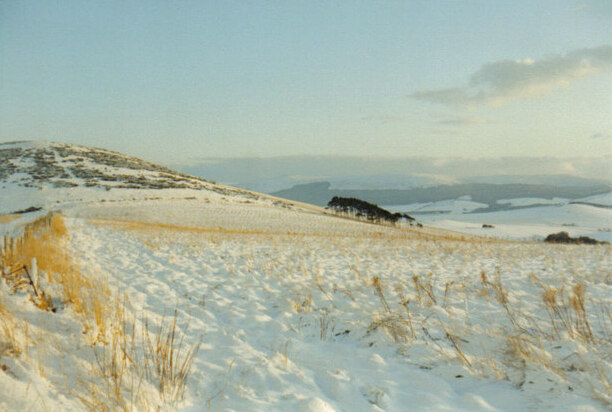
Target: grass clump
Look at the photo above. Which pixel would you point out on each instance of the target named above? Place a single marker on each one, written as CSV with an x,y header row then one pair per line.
x,y
9,343
137,369
129,370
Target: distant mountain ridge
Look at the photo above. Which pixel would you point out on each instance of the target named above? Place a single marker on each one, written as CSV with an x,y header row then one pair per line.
x,y
320,193
273,174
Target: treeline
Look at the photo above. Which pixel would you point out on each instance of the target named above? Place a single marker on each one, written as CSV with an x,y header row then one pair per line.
x,y
362,209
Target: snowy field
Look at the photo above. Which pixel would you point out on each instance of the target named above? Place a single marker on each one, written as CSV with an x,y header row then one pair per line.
x,y
532,223
444,206
591,216
304,312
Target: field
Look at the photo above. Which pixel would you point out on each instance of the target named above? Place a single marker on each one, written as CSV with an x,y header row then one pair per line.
x,y
199,306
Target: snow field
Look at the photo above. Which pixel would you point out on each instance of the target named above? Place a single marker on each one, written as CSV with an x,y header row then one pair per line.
x,y
532,223
235,216
347,317
102,358
296,323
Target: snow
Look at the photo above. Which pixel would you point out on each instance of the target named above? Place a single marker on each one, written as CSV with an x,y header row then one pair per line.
x,y
299,310
529,223
287,318
387,181
604,199
532,201
455,206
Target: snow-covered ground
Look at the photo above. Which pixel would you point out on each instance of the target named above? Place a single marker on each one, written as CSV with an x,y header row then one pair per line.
x,y
293,309
532,201
533,218
603,199
458,206
305,312
531,223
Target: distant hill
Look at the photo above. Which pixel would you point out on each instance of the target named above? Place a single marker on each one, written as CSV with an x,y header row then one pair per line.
x,y
272,174
320,193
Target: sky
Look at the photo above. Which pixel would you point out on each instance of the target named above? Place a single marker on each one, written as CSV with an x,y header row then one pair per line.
x,y
173,81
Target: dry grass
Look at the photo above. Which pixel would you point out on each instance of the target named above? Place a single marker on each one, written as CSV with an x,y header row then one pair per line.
x,y
111,386
124,365
454,339
137,371
43,240
568,313
377,285
390,233
302,302
395,325
425,288
41,249
9,343
8,218
167,360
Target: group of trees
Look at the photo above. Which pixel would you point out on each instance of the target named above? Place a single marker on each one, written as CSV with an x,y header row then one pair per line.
x,y
564,237
363,209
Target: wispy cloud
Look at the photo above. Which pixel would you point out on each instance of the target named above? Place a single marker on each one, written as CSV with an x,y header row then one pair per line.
x,y
601,136
382,118
460,121
497,82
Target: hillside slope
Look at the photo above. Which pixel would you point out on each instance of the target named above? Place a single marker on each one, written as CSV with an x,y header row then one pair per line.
x,y
47,174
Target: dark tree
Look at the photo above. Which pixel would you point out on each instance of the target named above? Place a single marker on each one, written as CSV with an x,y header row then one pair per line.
x,y
361,208
564,237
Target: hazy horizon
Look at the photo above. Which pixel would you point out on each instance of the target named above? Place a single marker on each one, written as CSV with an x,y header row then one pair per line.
x,y
275,173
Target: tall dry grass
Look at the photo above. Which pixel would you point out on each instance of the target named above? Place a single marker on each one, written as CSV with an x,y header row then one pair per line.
x,y
42,240
167,359
10,345
139,369
129,371
8,218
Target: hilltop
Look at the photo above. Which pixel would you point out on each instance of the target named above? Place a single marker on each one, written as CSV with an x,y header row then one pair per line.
x,y
48,174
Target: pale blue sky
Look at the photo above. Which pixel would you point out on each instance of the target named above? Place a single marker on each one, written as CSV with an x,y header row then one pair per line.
x,y
178,80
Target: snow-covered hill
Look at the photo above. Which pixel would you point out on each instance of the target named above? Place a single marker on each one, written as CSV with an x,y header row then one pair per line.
x,y
51,175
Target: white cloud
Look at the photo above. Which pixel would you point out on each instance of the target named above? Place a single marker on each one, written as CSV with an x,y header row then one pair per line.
x,y
497,82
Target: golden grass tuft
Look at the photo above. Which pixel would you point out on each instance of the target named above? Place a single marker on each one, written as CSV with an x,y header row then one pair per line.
x,y
43,240
8,218
302,302
377,285
577,299
166,359
123,364
567,311
9,344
